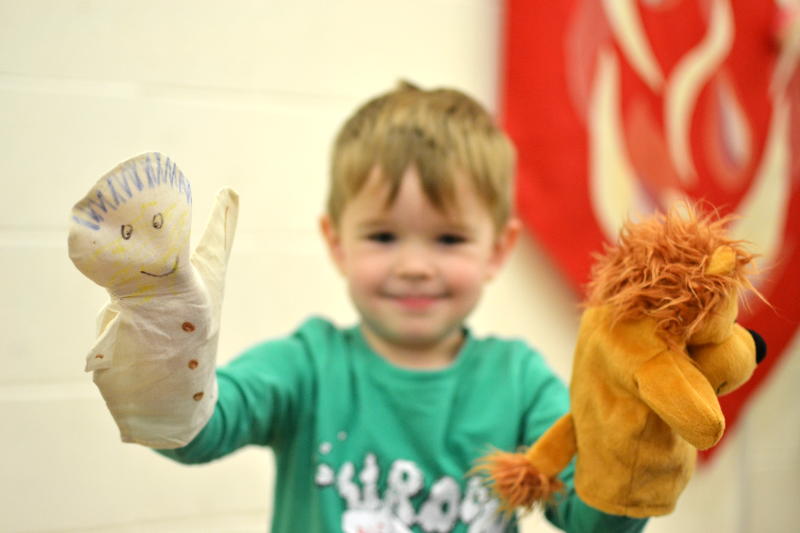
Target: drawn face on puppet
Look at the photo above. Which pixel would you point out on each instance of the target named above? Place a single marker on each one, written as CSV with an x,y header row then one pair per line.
x,y
130,233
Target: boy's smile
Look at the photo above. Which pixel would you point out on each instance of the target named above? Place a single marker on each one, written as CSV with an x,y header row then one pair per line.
x,y
415,302
415,272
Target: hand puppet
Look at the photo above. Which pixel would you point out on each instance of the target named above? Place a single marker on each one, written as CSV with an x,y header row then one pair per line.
x,y
658,342
154,357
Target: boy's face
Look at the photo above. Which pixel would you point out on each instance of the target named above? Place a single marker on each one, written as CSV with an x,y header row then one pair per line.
x,y
414,273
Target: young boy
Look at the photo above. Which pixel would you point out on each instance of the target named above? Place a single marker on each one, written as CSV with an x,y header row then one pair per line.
x,y
375,427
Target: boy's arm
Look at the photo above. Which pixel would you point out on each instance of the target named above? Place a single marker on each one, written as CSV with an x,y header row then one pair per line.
x,y
231,426
262,395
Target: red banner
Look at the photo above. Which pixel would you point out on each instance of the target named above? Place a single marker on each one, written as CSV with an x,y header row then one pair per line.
x,y
620,107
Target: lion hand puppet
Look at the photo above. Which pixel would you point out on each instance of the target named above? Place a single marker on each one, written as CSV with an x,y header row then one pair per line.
x,y
154,357
658,343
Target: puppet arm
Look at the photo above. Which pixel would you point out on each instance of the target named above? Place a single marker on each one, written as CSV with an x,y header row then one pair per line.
x,y
528,479
681,395
555,449
102,353
210,257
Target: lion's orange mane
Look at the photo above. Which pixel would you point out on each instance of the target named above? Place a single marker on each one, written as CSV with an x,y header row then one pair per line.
x,y
658,270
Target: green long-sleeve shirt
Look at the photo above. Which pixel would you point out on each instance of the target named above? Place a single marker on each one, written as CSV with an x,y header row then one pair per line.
x,y
362,445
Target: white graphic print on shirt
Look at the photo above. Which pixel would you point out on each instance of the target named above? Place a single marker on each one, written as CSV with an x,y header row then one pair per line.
x,y
367,511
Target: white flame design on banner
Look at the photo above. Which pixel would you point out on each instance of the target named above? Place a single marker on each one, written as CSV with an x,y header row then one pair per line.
x,y
615,188
684,85
628,30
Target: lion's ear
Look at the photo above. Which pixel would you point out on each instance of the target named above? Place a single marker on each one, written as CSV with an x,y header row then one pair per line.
x,y
722,261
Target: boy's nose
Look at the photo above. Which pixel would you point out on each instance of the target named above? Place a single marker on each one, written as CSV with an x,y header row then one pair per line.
x,y
413,263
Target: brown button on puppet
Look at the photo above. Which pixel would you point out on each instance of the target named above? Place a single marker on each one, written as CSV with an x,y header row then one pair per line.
x,y
657,343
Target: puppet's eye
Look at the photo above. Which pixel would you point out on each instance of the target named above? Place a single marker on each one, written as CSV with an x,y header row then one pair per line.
x,y
127,231
158,221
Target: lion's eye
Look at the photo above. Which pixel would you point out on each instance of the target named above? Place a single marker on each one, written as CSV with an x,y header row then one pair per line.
x,y
127,231
158,221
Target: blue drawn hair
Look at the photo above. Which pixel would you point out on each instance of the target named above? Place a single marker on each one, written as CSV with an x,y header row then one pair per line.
x,y
148,170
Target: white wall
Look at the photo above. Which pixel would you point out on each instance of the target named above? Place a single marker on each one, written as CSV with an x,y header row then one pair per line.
x,y
245,94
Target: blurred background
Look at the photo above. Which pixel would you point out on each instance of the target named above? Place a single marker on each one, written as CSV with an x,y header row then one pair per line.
x,y
249,94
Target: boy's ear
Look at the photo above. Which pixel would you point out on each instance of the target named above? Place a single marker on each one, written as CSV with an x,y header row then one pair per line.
x,y
503,245
332,240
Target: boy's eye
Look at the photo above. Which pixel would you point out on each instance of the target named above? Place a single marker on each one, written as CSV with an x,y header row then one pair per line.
x,y
450,239
127,231
382,236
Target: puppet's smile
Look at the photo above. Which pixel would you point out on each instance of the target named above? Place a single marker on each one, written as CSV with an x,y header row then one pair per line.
x,y
172,271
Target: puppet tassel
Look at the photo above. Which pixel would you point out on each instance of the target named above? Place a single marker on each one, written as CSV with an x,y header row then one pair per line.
x,y
530,478
517,481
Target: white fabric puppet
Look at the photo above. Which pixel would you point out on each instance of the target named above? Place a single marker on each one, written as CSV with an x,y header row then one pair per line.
x,y
155,356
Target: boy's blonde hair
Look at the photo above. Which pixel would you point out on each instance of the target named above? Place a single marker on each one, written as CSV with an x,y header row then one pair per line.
x,y
443,133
